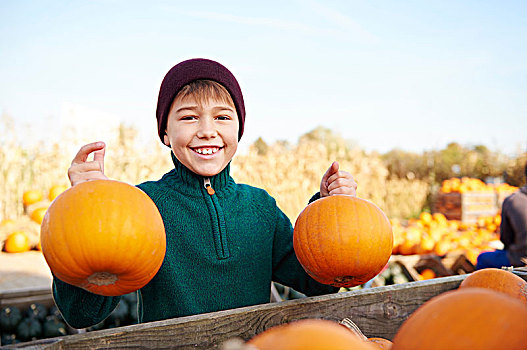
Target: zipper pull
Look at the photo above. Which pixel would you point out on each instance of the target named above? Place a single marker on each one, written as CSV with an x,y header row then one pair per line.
x,y
208,186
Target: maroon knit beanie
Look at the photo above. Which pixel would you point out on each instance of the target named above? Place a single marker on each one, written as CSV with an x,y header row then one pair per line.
x,y
188,71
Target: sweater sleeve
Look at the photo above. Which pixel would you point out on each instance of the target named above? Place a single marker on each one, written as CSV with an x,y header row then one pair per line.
x,y
506,233
287,270
79,307
514,224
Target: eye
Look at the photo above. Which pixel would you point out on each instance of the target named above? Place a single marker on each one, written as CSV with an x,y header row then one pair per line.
x,y
188,117
223,117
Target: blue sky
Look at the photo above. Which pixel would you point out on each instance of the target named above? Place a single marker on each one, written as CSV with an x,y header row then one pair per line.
x,y
414,75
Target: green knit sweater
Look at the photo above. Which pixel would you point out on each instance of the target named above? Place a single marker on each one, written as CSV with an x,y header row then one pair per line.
x,y
223,251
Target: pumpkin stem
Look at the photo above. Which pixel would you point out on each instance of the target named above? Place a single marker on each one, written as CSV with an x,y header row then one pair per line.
x,y
349,324
344,280
236,344
102,278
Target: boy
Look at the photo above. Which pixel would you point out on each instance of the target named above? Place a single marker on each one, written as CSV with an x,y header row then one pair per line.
x,y
226,242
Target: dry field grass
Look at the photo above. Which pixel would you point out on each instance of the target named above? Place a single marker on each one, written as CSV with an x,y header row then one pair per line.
x,y
290,173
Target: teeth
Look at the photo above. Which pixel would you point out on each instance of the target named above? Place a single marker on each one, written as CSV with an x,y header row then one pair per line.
x,y
207,150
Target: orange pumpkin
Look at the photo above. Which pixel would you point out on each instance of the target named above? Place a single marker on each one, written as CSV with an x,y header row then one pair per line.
x,y
31,197
309,334
7,222
104,236
17,242
441,248
427,274
469,318
342,241
498,280
55,190
38,214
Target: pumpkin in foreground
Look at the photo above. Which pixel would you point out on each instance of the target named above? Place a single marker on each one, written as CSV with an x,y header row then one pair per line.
x,y
499,280
342,241
468,318
309,334
104,236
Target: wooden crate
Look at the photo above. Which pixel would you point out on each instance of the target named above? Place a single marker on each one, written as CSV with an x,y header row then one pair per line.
x,y
413,265
24,297
377,311
466,207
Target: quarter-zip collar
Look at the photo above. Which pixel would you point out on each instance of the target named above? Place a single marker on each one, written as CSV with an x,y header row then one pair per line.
x,y
192,180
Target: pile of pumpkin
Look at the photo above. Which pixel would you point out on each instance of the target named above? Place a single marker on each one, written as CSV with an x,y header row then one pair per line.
x,y
434,234
487,311
23,234
39,322
468,184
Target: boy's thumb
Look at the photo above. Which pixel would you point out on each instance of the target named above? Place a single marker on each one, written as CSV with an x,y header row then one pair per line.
x,y
333,168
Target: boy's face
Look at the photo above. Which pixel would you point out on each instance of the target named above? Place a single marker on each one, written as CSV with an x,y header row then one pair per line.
x,y
203,137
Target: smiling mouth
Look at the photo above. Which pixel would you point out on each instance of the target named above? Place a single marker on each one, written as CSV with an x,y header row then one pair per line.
x,y
206,150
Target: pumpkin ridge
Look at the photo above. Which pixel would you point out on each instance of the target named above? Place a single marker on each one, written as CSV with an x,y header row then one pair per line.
x,y
340,237
60,258
377,225
298,247
312,264
357,215
328,259
323,246
75,245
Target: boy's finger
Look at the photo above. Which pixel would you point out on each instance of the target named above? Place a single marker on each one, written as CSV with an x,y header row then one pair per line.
x,y
85,167
342,183
341,175
98,156
88,176
85,151
348,191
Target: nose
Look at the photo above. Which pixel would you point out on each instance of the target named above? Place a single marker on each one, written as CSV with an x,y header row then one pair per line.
x,y
206,129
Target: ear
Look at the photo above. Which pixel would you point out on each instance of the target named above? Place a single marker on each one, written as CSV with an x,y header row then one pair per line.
x,y
166,141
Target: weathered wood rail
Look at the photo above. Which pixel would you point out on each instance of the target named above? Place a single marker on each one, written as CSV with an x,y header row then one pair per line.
x,y
377,311
26,296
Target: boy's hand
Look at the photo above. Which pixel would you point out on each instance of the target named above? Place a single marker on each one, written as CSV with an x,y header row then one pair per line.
x,y
337,182
82,170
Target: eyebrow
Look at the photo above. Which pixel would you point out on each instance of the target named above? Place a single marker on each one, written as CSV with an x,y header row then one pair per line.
x,y
195,107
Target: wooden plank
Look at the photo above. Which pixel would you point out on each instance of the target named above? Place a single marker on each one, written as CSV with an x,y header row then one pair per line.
x,y
377,311
23,297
